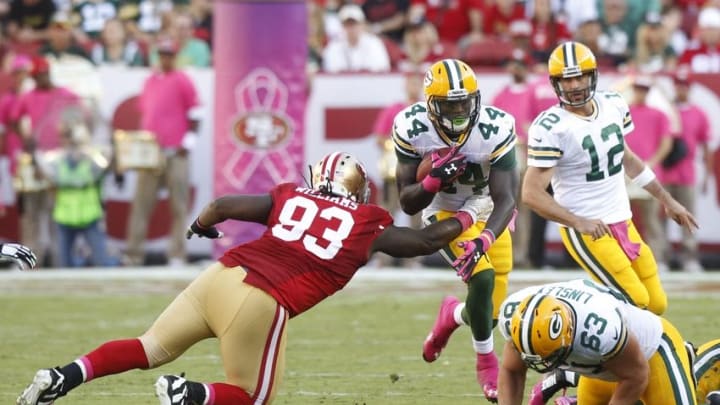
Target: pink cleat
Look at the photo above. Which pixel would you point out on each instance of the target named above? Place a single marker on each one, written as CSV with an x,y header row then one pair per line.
x,y
487,375
444,326
566,401
536,395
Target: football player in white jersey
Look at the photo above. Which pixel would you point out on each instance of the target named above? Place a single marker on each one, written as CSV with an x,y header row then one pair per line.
x,y
623,354
477,180
579,146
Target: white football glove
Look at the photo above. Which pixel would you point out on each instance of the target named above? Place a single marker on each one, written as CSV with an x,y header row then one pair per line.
x,y
479,207
20,254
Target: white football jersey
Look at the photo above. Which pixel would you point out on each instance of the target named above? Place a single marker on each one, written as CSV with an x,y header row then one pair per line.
x,y
587,153
488,142
603,320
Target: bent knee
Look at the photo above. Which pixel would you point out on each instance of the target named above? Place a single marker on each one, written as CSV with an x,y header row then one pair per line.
x,y
156,355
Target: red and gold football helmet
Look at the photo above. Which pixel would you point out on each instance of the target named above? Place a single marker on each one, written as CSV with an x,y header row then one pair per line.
x,y
542,331
341,174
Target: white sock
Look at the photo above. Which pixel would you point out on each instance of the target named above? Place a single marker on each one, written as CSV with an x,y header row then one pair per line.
x,y
82,369
483,346
457,314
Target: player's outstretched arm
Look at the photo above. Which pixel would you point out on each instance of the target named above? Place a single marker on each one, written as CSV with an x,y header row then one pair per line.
x,y
511,379
632,370
643,176
407,242
250,208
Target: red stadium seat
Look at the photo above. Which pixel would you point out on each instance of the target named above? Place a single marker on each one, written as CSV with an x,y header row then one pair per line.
x,y
489,51
395,52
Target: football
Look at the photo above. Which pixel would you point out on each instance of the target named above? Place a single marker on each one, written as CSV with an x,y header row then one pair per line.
x,y
426,164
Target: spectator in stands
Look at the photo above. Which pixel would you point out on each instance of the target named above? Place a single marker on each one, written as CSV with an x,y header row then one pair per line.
x,y
316,38
680,179
61,42
28,20
422,47
382,131
547,30
453,20
44,108
498,16
92,15
653,52
571,13
516,98
168,107
201,12
635,12
589,33
76,175
10,145
703,56
193,52
358,50
678,38
387,17
651,141
144,17
115,48
614,42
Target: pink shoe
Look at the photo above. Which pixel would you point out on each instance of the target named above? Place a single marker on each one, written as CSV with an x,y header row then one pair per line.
x,y
444,326
536,395
487,375
566,401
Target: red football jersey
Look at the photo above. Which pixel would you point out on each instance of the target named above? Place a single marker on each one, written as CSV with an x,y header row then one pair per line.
x,y
312,246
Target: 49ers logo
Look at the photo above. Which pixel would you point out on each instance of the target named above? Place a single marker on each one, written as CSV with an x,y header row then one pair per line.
x,y
262,130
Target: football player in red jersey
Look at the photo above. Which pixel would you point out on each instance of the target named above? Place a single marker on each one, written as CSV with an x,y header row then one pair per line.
x,y
317,237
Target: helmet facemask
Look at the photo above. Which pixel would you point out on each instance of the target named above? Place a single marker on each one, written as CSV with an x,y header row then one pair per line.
x,y
455,114
549,363
562,94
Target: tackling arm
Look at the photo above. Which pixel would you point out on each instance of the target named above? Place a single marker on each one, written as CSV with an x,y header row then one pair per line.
x,y
408,242
511,379
413,197
633,373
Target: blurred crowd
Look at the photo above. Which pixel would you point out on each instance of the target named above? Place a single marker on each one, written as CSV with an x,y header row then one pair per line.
x,y
100,32
407,35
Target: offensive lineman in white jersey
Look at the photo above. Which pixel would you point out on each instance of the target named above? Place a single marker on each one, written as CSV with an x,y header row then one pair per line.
x,y
579,146
476,180
623,353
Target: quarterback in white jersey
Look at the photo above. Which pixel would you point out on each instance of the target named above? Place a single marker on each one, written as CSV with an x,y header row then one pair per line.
x,y
579,147
622,353
477,180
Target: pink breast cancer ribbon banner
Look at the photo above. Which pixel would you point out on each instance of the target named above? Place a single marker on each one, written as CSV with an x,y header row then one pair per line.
x,y
260,50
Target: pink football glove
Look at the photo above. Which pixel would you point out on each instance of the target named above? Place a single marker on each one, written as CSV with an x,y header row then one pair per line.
x,y
445,169
474,251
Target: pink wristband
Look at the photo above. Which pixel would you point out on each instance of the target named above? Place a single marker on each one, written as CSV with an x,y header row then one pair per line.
x,y
431,184
488,237
465,219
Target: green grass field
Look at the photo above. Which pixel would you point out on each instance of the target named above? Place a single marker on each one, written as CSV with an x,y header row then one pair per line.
x,y
361,346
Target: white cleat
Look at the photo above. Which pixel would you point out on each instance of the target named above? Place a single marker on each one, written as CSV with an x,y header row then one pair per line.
x,y
44,390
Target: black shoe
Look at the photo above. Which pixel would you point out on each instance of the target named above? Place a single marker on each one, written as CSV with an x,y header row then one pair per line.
x,y
47,386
